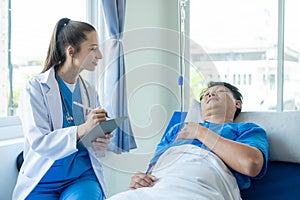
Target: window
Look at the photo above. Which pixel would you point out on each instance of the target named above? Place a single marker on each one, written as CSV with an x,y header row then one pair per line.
x,y
241,37
291,87
32,23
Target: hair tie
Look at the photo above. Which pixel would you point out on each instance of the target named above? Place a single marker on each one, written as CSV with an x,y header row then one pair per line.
x,y
66,21
62,23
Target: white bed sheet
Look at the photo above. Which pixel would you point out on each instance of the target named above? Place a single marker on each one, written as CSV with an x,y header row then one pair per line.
x,y
187,172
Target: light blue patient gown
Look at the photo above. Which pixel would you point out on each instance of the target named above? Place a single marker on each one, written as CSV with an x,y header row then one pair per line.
x,y
71,177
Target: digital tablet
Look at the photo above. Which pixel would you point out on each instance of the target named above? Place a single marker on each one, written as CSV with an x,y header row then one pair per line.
x,y
99,130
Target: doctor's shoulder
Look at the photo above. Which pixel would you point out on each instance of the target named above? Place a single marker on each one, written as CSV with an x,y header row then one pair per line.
x,y
37,82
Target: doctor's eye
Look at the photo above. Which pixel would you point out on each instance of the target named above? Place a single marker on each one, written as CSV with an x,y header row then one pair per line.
x,y
95,48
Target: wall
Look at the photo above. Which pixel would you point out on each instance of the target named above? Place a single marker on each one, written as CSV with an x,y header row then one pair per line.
x,y
151,45
11,144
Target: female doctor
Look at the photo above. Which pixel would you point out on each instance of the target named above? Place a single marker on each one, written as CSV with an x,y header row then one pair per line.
x,y
54,167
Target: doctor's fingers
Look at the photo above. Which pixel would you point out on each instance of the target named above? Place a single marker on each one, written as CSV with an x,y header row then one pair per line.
x,y
109,135
100,143
98,117
99,110
99,146
102,140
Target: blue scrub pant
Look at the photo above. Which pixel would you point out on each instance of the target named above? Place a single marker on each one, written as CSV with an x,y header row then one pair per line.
x,y
85,187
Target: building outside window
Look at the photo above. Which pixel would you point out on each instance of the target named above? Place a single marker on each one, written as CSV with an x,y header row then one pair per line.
x,y
241,37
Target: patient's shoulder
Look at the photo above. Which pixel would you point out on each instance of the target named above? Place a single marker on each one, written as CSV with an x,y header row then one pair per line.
x,y
249,124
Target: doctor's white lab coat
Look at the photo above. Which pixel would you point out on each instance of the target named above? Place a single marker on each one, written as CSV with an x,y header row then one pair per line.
x,y
45,140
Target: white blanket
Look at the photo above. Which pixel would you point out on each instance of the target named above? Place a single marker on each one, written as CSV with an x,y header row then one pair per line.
x,y
187,172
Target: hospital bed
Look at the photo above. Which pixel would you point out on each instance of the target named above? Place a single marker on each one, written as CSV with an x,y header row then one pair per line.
x,y
282,180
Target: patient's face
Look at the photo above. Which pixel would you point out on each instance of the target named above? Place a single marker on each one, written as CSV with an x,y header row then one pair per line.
x,y
218,100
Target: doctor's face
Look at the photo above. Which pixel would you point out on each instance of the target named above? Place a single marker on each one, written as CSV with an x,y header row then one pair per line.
x,y
88,56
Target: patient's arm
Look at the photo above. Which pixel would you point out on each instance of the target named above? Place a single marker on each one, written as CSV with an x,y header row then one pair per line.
x,y
140,180
242,158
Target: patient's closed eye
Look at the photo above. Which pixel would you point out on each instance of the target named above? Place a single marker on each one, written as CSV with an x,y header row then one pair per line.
x,y
215,92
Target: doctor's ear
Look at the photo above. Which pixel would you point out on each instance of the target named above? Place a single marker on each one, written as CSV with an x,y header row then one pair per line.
x,y
70,51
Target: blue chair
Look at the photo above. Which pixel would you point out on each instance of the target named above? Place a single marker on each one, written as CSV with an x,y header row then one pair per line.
x,y
19,160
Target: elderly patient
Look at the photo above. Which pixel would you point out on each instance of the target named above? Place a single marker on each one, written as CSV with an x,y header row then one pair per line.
x,y
210,160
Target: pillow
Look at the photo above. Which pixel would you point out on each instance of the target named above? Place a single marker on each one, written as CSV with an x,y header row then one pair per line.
x,y
194,112
282,129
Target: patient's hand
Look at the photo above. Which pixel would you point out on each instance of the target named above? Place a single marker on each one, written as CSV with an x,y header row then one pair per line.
x,y
140,180
191,131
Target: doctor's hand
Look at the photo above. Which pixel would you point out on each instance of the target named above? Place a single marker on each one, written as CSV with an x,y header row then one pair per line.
x,y
140,180
101,143
95,116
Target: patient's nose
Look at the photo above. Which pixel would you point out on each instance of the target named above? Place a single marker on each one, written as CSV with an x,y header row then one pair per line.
x,y
211,93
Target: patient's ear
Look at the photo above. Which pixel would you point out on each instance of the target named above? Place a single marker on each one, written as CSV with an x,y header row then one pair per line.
x,y
238,104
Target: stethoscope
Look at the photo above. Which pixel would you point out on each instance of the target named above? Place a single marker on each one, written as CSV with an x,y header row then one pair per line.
x,y
69,117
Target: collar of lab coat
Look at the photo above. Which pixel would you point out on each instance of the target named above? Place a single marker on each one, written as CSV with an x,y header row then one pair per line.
x,y
51,90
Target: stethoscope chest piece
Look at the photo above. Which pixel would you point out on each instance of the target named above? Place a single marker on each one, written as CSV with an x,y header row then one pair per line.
x,y
69,118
